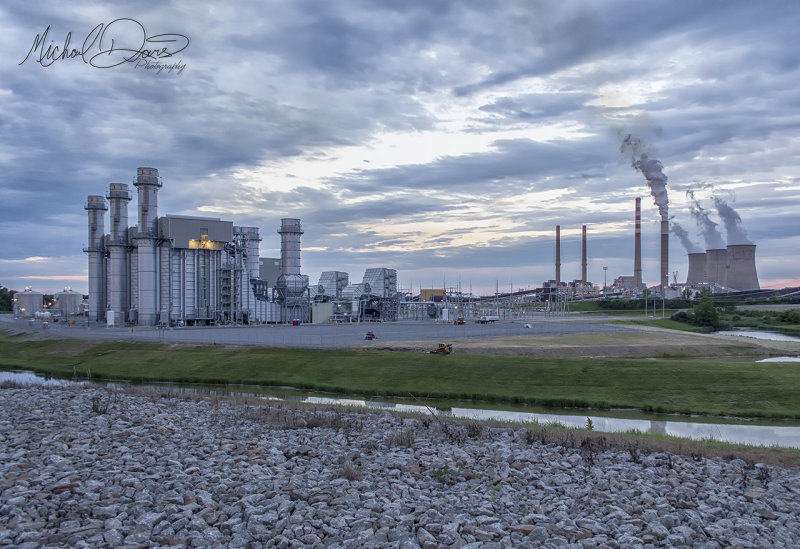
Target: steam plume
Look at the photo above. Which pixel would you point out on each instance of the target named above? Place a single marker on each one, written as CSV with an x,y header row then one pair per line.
x,y
733,223
681,233
652,171
708,228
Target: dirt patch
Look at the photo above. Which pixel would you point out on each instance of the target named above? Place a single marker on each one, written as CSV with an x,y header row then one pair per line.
x,y
644,342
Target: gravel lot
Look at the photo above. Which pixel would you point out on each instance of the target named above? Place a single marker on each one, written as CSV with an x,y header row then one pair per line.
x,y
85,467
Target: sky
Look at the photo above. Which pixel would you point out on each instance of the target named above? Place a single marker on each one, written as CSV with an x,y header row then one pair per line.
x,y
443,139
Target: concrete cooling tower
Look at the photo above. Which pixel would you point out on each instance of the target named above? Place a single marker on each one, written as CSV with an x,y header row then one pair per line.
x,y
697,269
716,267
742,267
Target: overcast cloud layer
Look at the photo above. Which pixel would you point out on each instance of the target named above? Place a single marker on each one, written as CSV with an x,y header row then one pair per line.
x,y
444,139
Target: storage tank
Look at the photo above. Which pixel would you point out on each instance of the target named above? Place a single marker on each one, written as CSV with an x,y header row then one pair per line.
x,y
68,303
28,303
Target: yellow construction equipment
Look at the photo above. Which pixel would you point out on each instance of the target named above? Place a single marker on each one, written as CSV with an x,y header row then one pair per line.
x,y
442,349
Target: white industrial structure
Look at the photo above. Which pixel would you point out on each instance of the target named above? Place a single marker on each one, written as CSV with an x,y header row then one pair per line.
x,y
173,270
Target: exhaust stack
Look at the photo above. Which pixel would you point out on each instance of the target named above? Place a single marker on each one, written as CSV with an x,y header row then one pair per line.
x,y
583,256
664,275
558,255
637,247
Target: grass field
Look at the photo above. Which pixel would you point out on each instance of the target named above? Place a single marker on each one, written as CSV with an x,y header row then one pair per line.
x,y
731,386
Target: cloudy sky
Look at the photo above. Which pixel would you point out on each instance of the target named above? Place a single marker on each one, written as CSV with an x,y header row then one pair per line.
x,y
444,139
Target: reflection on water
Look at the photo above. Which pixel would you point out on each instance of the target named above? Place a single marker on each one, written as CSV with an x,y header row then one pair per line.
x,y
781,359
759,335
758,435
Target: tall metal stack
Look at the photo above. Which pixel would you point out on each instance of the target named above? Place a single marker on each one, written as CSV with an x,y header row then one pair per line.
x,y
558,255
637,247
96,208
742,273
583,255
291,287
147,182
664,275
118,269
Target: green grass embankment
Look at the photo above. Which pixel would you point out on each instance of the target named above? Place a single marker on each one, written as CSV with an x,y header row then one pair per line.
x,y
724,387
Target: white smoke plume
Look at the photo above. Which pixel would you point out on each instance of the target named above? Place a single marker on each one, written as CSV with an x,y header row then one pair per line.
x,y
733,223
680,232
652,171
708,228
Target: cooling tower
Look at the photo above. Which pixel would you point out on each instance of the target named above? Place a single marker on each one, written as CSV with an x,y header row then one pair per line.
x,y
742,267
664,275
697,269
637,247
558,256
716,267
96,207
583,255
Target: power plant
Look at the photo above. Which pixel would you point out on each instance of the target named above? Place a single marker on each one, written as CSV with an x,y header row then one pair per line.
x,y
186,270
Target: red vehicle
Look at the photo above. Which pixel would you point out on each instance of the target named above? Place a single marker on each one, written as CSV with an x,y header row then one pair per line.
x,y
370,336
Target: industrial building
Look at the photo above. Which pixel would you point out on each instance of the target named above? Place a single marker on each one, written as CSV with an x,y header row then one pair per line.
x,y
171,270
186,271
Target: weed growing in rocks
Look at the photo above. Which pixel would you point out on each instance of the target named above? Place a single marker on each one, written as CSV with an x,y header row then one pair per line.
x,y
445,475
350,470
401,438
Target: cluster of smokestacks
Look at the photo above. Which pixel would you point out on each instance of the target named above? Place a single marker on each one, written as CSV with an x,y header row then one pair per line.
x,y
732,266
652,170
583,255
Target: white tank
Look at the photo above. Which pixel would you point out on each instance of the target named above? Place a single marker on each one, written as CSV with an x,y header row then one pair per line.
x,y
68,303
28,303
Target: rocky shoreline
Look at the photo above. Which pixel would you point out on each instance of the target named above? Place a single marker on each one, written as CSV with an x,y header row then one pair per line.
x,y
89,467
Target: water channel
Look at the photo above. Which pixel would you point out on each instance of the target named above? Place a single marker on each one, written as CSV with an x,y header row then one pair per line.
x,y
735,430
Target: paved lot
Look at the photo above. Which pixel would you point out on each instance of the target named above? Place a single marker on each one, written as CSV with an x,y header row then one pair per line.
x,y
323,335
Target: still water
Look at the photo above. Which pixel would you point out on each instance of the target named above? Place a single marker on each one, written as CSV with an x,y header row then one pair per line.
x,y
759,335
784,434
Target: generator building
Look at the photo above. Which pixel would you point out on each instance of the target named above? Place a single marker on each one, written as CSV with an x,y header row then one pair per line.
x,y
170,270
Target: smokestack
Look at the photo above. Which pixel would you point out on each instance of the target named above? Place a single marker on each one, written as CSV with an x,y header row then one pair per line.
x,y
290,232
583,256
742,267
558,255
118,197
716,266
147,182
697,269
96,208
664,256
637,247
